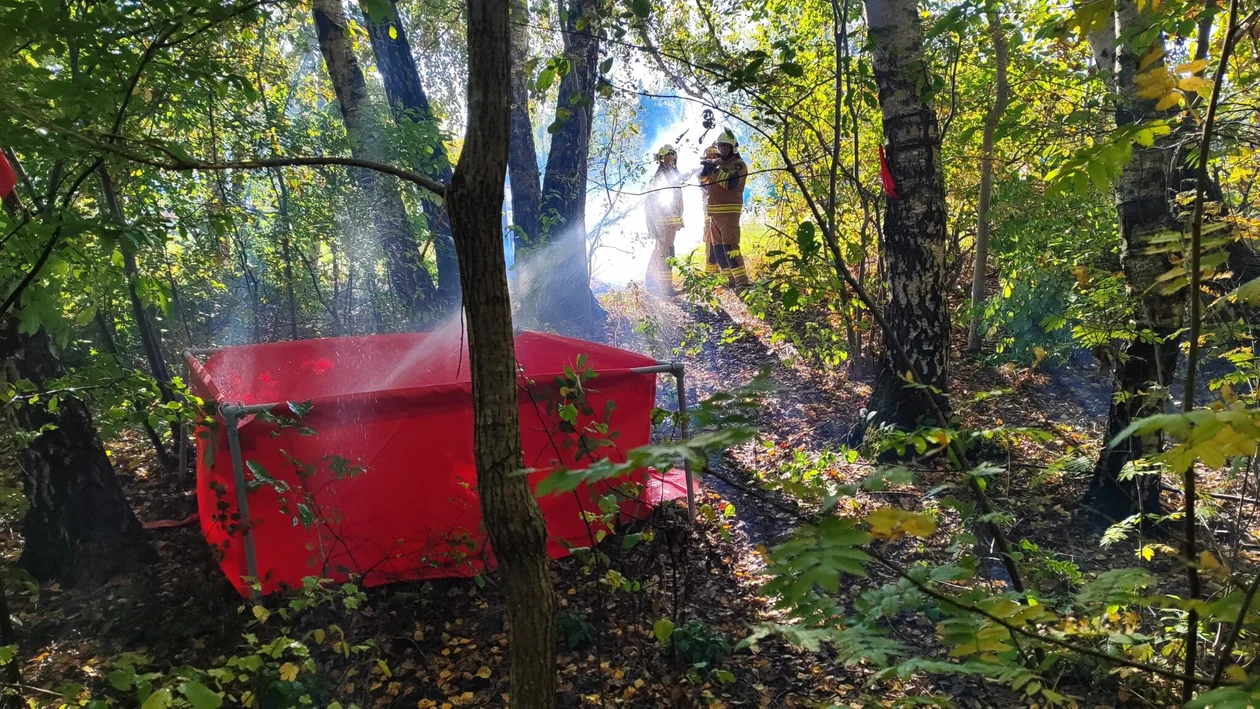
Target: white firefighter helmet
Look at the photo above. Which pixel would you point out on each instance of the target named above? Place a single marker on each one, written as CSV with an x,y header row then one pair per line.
x,y
727,138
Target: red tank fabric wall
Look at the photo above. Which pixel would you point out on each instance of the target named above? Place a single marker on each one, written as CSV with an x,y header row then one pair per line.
x,y
383,484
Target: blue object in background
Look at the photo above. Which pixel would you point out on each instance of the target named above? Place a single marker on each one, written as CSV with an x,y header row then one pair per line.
x,y
509,243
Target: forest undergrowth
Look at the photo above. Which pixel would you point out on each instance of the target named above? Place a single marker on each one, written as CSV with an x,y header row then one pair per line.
x,y
656,625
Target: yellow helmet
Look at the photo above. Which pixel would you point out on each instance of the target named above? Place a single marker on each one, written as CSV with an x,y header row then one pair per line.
x,y
727,138
666,149
711,153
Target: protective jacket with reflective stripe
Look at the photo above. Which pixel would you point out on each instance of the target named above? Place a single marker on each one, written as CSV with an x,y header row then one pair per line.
x,y
725,186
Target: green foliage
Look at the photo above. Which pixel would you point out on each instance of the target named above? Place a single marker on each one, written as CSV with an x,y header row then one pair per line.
x,y
573,630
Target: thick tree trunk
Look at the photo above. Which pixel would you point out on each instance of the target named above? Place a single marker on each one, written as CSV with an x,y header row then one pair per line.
x,y
409,102
408,276
991,119
513,521
562,294
79,527
522,156
914,232
1143,205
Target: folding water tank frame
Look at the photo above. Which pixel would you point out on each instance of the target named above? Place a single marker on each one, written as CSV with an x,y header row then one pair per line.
x,y
353,455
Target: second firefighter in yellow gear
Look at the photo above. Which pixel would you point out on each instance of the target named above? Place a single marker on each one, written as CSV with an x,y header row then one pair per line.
x,y
664,219
724,178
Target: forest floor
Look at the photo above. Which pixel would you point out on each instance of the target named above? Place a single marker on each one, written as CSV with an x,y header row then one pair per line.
x,y
442,644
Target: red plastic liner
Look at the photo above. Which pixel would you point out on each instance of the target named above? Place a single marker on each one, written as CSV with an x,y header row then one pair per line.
x,y
383,484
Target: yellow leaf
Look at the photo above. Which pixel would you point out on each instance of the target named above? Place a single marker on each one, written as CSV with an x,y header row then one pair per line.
x,y
1207,560
1155,54
1193,67
1153,91
922,526
484,672
1237,674
426,704
1169,101
1039,356
1227,393
319,635
1193,83
393,32
891,523
288,672
262,614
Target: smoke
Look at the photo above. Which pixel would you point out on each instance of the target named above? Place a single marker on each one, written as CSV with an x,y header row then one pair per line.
x,y
622,247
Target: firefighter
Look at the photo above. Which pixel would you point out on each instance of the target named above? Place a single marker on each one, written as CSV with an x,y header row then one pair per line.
x,y
724,179
664,219
711,155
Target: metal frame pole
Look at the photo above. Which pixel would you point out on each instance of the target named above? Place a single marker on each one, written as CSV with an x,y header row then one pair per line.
x,y
182,467
231,416
684,425
677,369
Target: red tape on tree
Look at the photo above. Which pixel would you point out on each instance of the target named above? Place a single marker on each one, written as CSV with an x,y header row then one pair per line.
x,y
885,176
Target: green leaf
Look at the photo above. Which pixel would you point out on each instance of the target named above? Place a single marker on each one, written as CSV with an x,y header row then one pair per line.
x,y
161,699
379,11
791,297
545,79
792,69
200,696
7,653
663,629
86,316
606,65
641,8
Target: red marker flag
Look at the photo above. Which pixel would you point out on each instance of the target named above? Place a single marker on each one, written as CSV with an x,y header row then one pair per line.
x,y
8,178
885,176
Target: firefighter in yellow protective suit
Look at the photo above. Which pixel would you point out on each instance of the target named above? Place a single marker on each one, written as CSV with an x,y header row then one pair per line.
x,y
724,179
664,219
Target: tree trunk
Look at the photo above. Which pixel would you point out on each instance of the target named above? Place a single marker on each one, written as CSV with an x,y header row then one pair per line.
x,y
991,119
513,521
1142,202
155,439
286,251
562,294
522,157
79,527
409,278
914,223
409,102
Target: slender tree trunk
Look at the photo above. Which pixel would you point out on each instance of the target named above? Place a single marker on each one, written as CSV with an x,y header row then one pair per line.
x,y
407,274
522,157
512,518
286,251
409,102
144,324
914,233
111,346
991,119
79,526
563,294
1143,205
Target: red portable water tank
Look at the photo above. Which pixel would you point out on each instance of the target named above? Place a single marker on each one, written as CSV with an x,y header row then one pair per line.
x,y
379,471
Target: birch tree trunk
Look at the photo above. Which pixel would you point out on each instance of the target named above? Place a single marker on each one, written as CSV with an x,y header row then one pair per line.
x,y
991,119
914,233
522,156
1142,199
513,521
409,102
408,277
